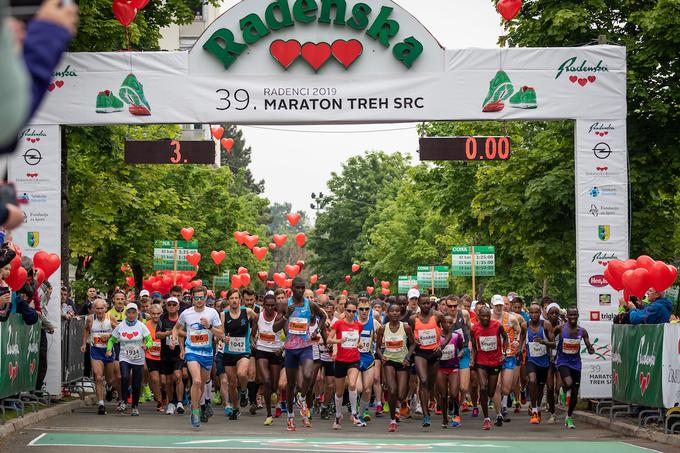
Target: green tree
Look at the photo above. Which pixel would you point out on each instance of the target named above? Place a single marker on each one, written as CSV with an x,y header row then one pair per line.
x,y
290,253
238,158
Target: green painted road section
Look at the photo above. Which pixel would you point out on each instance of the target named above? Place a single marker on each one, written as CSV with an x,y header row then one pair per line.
x,y
325,445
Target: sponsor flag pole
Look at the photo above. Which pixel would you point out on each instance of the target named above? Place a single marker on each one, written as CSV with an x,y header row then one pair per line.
x,y
472,254
174,264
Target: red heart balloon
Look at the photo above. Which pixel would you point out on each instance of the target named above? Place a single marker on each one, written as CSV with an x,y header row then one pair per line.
x,y
194,258
344,292
124,12
662,276
139,4
289,282
272,246
300,264
263,276
348,279
218,256
293,219
240,236
236,281
48,262
292,271
260,252
370,289
313,279
385,284
385,291
242,270
270,284
130,281
39,276
227,143
637,281
322,286
300,239
217,132
614,283
355,267
156,286
223,294
280,279
187,233
16,261
318,292
509,8
280,239
251,241
646,262
245,279
616,271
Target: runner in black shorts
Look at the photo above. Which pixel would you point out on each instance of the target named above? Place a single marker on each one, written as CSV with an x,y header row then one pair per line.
x,y
171,364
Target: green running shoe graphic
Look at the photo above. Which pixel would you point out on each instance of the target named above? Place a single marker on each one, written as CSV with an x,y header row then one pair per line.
x,y
107,102
500,88
132,92
525,98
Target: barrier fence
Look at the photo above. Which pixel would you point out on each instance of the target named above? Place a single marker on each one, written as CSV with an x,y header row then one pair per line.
x,y
646,364
19,356
73,366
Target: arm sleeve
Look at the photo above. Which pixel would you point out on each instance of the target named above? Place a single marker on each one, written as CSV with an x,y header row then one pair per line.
x,y
148,341
29,315
637,316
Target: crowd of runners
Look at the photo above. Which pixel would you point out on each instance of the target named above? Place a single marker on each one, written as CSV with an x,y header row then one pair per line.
x,y
296,353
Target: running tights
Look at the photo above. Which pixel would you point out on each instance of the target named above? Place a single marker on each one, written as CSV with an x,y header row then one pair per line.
x,y
128,370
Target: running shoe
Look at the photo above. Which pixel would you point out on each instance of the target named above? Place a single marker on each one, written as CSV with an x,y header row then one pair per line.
x,y
487,424
109,394
504,413
204,415
107,102
170,410
475,411
464,406
361,422
354,419
304,411
426,421
534,419
337,423
393,427
146,394
569,423
217,399
404,410
284,407
324,413
243,399
135,412
517,407
159,406
291,424
195,419
129,400
132,92
227,411
208,409
269,421
122,407
524,98
306,423
499,421
552,420
234,414
277,412
253,409
180,408
438,411
101,410
523,397
455,422
367,416
419,409
500,88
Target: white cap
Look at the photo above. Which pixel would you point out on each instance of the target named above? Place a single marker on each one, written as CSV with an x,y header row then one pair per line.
x,y
497,299
143,293
551,306
413,293
131,305
473,304
172,299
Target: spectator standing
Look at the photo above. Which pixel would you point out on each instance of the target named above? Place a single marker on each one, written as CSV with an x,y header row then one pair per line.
x,y
657,311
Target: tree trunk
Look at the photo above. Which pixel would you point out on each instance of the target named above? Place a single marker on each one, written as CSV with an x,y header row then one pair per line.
x,y
65,250
138,274
545,287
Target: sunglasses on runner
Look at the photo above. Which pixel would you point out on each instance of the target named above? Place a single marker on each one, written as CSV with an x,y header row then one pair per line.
x,y
364,309
351,311
199,297
452,306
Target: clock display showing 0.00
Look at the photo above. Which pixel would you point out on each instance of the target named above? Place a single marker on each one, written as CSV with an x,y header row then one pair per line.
x,y
492,148
465,148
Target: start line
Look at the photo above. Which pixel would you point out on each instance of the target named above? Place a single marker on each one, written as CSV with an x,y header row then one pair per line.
x,y
324,445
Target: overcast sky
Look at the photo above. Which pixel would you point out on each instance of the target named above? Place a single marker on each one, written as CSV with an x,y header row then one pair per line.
x,y
455,23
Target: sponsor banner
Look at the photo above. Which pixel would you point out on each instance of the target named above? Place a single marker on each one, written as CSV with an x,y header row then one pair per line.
x,y
637,374
406,282
671,365
36,169
19,346
596,373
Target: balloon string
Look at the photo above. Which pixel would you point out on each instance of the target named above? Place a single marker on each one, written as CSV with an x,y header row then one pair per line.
x,y
127,39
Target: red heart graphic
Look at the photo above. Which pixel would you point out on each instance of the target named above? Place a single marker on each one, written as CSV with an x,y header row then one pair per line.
x,y
644,382
50,87
28,139
59,83
227,143
217,132
33,140
280,239
31,367
13,370
263,276
316,54
582,82
292,271
270,284
124,12
285,52
194,258
245,279
293,219
251,241
604,133
260,252
280,279
37,139
573,79
242,270
187,233
240,236
592,78
509,8
48,262
218,256
355,267
346,51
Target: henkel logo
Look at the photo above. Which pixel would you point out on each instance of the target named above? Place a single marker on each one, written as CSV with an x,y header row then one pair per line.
x,y
582,74
278,15
601,129
598,281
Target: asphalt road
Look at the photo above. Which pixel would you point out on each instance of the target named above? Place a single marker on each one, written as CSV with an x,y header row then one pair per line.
x,y
84,431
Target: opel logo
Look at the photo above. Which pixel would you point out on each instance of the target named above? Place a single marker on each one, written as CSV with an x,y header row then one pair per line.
x,y
32,156
602,150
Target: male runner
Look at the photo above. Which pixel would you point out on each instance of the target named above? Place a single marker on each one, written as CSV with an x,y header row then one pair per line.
x,y
447,377
199,325
326,357
568,359
539,338
520,377
367,360
552,314
489,346
462,325
298,346
171,363
117,313
512,328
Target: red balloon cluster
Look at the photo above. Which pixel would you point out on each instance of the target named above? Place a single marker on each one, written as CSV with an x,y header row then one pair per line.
x,y
125,11
635,277
163,281
44,265
250,241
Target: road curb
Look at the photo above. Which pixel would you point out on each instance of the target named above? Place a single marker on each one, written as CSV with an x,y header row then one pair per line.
x,y
627,428
20,423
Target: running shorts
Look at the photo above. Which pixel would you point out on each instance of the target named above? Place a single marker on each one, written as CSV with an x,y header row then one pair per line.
x,y
170,365
396,365
272,357
448,371
341,368
153,365
99,354
233,359
116,352
464,361
541,372
510,363
328,369
428,354
488,369
366,361
295,357
205,362
219,363
575,375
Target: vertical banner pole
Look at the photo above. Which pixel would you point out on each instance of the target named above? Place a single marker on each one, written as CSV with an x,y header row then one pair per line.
x,y
174,264
474,289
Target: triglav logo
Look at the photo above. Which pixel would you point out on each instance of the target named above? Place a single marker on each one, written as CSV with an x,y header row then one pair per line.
x,y
599,316
584,73
601,129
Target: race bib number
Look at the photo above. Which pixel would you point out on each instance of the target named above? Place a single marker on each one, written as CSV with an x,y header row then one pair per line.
x,y
133,352
365,345
427,337
98,340
267,337
237,344
571,345
199,338
394,344
537,350
488,344
169,341
449,352
298,326
155,350
350,339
